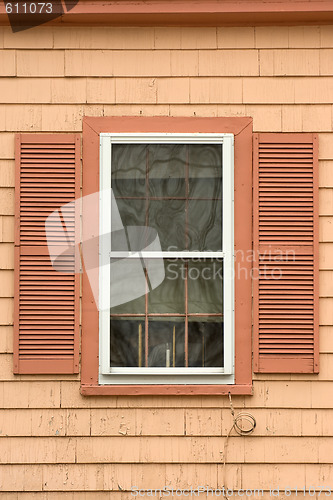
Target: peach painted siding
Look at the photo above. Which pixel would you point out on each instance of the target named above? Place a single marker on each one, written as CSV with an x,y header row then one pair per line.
x,y
57,444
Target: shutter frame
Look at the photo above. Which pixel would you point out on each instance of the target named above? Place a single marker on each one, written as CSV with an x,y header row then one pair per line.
x,y
46,304
303,355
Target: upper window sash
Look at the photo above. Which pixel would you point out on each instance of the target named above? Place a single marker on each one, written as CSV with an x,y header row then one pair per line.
x,y
194,138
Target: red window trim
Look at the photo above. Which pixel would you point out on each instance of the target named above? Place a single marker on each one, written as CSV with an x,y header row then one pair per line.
x,y
242,129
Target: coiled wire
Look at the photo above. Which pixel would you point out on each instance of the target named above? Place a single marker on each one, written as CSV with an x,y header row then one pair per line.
x,y
240,430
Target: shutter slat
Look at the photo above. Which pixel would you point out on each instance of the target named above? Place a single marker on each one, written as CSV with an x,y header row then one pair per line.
x,y
286,247
46,301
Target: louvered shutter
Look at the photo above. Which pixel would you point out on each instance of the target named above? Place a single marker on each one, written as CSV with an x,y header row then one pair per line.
x,y
285,287
46,303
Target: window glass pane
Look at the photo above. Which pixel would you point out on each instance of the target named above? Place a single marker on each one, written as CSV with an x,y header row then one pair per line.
x,y
204,227
205,342
169,296
127,342
132,212
205,286
128,225
166,342
175,189
174,327
128,169
205,171
167,170
168,218
128,286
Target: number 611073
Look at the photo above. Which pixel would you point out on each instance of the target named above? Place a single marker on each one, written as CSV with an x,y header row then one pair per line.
x,y
29,8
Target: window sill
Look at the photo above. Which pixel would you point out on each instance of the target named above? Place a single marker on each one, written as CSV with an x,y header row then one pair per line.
x,y
165,390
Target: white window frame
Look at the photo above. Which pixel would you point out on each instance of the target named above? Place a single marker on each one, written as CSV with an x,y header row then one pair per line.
x,y
153,375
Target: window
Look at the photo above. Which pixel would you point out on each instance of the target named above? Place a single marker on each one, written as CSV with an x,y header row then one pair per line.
x,y
109,365
166,229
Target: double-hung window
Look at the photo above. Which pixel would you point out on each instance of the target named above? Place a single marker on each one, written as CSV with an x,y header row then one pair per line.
x,y
166,274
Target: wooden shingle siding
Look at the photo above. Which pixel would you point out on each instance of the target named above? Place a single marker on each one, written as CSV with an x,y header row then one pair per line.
x,y
285,405
286,247
46,301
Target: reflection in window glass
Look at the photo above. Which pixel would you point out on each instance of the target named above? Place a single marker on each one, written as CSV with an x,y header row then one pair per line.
x,y
175,189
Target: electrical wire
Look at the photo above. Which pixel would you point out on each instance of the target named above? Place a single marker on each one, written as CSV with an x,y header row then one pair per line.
x,y
240,430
